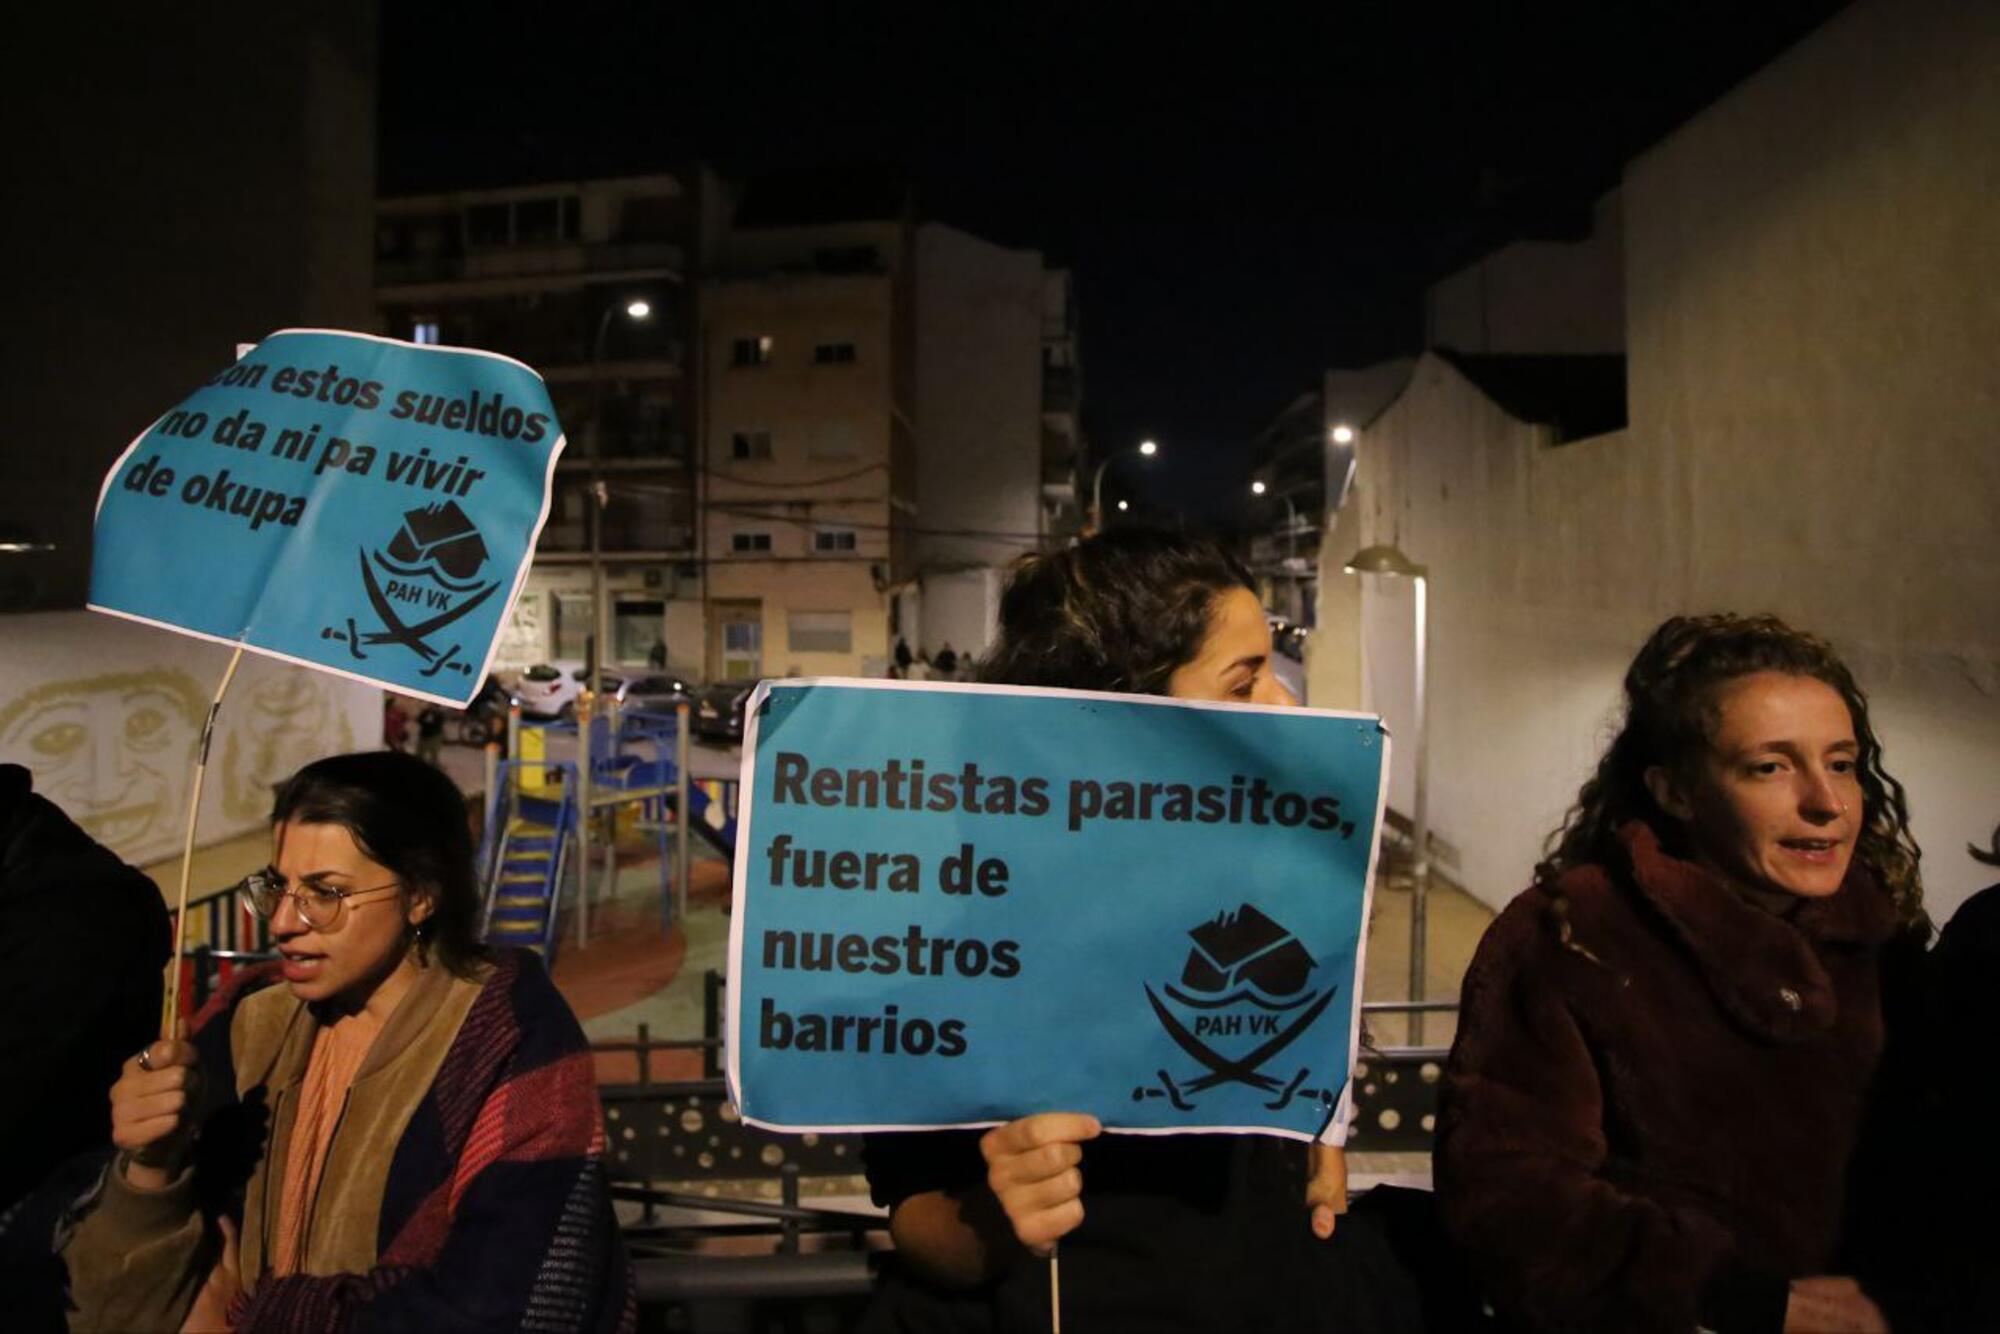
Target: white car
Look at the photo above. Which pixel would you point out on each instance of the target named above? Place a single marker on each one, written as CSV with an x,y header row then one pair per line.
x,y
549,689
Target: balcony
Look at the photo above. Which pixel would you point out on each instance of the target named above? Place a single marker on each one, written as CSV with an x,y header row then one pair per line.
x,y
1058,390
505,267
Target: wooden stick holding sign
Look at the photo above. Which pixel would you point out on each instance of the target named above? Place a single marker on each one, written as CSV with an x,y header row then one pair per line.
x,y
171,1003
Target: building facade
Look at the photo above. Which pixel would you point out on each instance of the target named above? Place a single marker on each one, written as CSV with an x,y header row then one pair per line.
x,y
982,336
587,282
808,443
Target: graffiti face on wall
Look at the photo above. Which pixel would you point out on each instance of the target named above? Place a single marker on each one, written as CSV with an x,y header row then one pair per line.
x,y
113,751
284,722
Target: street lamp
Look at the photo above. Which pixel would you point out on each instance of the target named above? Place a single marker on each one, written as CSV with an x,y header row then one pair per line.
x,y
1124,505
1257,488
1390,561
1145,449
1343,434
636,310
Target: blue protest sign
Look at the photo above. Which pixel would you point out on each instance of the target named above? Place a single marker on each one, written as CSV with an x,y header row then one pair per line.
x,y
956,905
353,503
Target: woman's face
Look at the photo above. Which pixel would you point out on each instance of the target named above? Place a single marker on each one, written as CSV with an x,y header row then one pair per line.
x,y
369,934
1233,664
1775,802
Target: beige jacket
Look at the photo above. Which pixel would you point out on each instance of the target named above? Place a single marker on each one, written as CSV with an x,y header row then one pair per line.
x,y
138,1258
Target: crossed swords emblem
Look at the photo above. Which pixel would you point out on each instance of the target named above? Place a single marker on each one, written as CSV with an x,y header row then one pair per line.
x,y
1232,1070
411,636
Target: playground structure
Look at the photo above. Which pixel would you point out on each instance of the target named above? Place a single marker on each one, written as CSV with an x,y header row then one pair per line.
x,y
630,771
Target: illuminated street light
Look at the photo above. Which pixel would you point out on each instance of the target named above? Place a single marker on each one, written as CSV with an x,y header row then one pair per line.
x,y
1342,434
639,310
1124,505
1145,449
1257,488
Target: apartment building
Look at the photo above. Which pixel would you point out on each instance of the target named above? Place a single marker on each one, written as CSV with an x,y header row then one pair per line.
x,y
586,281
808,443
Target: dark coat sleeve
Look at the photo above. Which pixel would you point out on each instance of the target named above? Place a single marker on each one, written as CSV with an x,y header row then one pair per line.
x,y
1520,1156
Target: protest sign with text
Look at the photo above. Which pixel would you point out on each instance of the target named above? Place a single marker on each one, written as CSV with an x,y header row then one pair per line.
x,y
956,905
357,504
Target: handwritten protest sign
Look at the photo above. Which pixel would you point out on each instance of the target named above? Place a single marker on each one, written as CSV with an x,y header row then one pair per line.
x,y
956,905
353,503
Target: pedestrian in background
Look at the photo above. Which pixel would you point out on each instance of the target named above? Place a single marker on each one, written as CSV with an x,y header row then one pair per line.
x,y
395,724
430,735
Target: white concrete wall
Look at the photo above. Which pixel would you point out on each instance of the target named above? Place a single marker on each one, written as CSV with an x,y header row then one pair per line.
x,y
1551,298
1810,271
107,715
978,402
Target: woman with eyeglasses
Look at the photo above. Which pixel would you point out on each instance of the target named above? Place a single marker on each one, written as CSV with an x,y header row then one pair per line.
x,y
404,1135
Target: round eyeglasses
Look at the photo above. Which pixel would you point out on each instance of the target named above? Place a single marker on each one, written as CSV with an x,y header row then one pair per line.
x,y
319,905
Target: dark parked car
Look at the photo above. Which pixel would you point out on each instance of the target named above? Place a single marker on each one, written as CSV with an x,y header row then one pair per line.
x,y
718,710
656,692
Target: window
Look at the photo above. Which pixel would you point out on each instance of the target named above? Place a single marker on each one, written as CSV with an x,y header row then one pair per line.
x,y
573,627
424,331
537,221
751,351
847,259
821,631
488,224
750,446
833,442
744,543
833,354
833,539
636,627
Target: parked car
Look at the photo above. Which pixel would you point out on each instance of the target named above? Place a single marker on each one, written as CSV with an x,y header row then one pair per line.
x,y
549,689
1288,655
718,710
655,692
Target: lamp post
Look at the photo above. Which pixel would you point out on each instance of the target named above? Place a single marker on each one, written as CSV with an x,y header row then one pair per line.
x,y
1258,488
1145,449
1389,560
636,311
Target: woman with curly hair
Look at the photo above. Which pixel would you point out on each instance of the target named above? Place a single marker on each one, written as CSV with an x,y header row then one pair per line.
x,y
1666,1044
1158,1232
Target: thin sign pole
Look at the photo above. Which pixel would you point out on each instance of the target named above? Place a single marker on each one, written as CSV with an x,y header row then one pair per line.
x,y
171,1002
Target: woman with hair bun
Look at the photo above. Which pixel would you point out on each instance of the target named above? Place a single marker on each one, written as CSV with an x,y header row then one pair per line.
x,y
404,1135
1666,1044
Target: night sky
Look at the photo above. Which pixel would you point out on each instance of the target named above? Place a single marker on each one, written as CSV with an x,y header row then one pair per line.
x,y
1247,196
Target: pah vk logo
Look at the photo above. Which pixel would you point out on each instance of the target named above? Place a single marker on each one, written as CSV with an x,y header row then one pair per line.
x,y
1242,999
424,580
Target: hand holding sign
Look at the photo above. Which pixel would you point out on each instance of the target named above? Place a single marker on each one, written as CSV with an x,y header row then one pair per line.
x,y
1031,1168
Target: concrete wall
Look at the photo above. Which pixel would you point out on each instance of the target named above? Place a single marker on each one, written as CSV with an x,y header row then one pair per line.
x,y
199,179
1810,269
1550,298
978,404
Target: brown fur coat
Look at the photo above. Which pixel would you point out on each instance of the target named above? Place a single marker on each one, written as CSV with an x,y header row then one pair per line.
x,y
1648,1127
